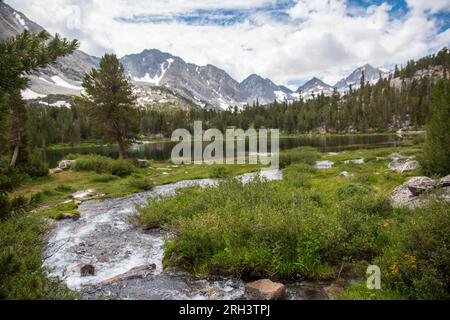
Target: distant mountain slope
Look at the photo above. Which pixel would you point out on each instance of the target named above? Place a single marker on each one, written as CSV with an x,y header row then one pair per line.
x,y
371,75
264,90
314,87
64,76
201,83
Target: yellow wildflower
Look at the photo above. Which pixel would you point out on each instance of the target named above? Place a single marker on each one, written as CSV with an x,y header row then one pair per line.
x,y
395,269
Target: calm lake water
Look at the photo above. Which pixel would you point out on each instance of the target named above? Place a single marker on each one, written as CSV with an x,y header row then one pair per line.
x,y
159,151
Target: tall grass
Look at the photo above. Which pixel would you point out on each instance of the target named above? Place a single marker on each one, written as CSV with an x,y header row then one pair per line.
x,y
276,229
101,164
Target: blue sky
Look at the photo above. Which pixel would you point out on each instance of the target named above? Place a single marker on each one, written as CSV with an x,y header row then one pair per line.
x,y
288,41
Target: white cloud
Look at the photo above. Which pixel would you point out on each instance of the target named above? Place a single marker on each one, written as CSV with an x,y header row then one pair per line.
x,y
432,6
320,37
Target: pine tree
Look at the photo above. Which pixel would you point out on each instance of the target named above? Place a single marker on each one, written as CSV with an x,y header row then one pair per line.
x,y
111,103
436,153
20,56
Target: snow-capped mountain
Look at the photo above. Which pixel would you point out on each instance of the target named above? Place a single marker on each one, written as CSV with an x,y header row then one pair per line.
x,y
264,90
64,77
371,75
314,87
205,85
161,77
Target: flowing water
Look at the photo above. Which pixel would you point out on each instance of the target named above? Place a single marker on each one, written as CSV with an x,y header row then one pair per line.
x,y
106,237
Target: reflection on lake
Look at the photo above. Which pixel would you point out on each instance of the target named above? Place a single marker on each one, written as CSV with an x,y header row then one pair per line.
x,y
159,151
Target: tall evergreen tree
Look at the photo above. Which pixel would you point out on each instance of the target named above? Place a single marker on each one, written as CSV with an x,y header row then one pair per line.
x,y
436,156
111,103
19,57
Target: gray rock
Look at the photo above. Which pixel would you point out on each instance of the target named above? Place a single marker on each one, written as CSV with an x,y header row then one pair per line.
x,y
444,182
402,166
397,156
324,164
346,174
134,273
66,164
403,197
213,294
413,193
418,185
57,170
446,194
264,290
142,163
354,161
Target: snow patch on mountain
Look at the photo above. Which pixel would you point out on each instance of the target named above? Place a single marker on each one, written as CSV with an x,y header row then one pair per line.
x,y
156,80
63,83
29,94
21,21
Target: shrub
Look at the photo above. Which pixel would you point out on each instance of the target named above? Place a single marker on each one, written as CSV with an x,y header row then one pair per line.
x,y
5,206
72,156
306,155
349,190
10,177
299,175
260,228
122,168
21,272
220,173
63,188
141,183
415,263
101,164
103,178
34,166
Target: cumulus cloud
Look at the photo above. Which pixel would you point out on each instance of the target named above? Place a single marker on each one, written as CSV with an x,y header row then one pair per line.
x,y
432,6
286,41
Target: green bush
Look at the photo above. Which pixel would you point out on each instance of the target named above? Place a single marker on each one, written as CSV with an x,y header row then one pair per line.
x,y
5,206
306,155
103,178
299,175
64,188
416,261
34,166
141,183
122,168
350,190
101,164
21,272
262,228
72,156
220,173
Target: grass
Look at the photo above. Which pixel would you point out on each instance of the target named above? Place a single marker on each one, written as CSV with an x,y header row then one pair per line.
x,y
58,212
58,186
307,225
302,227
22,275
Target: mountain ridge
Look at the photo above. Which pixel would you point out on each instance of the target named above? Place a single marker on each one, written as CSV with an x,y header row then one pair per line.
x,y
205,86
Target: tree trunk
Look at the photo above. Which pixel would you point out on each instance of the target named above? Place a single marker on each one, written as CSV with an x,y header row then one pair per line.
x,y
122,150
15,154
